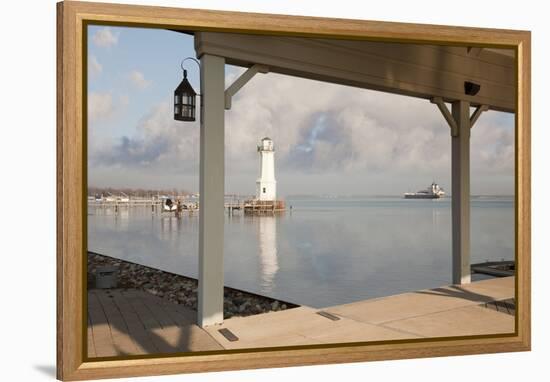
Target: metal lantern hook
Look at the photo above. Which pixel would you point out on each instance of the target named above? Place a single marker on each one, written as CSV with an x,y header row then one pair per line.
x,y
192,59
185,70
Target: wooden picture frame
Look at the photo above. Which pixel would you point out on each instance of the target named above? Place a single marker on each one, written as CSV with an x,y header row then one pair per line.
x,y
72,18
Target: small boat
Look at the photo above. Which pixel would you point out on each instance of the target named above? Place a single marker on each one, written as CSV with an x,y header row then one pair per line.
x,y
432,192
169,206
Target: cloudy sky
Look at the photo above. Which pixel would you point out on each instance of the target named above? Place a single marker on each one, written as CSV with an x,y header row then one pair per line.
x,y
330,139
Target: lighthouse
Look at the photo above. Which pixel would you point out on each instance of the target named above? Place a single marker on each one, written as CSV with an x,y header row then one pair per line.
x,y
266,185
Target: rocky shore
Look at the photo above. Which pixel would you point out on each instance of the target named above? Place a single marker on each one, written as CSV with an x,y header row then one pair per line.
x,y
180,289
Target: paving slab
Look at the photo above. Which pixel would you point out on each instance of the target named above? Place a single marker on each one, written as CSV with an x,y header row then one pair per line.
x,y
472,320
298,326
440,312
429,301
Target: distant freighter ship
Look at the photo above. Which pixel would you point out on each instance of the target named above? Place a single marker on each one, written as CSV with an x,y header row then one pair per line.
x,y
432,192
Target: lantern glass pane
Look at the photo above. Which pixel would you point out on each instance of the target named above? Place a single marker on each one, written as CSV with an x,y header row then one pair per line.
x,y
176,109
176,98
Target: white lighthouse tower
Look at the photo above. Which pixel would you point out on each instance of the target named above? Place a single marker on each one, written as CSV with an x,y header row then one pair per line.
x,y
266,185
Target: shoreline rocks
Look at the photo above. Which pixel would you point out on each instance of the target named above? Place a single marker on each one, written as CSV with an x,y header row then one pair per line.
x,y
180,289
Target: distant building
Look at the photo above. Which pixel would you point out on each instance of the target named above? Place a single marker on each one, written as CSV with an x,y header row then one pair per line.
x,y
266,185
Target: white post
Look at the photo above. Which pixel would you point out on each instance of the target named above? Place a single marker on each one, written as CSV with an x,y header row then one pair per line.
x,y
210,293
461,192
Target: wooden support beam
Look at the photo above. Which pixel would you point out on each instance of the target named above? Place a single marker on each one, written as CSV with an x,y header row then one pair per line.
x,y
460,122
417,70
210,293
461,193
480,109
241,81
446,114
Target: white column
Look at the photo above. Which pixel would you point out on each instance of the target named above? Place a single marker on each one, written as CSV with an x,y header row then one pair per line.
x,y
461,192
210,293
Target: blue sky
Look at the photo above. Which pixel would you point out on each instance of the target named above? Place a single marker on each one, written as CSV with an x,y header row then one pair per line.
x,y
155,53
330,139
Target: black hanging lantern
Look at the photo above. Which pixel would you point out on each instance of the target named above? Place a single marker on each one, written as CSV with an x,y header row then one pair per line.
x,y
184,101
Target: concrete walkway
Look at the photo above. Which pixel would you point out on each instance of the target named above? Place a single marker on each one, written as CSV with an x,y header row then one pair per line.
x,y
130,322
484,307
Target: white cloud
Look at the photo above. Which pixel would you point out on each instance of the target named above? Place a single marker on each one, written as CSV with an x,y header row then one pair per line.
x,y
104,106
94,67
138,79
105,38
492,149
321,131
100,106
159,144
324,127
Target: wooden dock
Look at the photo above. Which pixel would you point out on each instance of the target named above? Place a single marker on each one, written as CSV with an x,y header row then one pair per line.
x,y
256,207
247,206
135,322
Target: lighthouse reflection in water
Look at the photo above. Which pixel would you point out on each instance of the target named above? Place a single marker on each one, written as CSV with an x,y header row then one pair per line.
x,y
267,240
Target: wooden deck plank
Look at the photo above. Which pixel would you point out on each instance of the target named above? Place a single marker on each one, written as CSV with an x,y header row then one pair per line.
x,y
145,316
101,332
119,329
136,329
170,327
155,306
181,333
90,342
149,321
181,316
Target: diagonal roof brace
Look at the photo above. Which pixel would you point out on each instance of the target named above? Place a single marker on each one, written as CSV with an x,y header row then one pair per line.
x,y
480,109
449,118
241,81
447,114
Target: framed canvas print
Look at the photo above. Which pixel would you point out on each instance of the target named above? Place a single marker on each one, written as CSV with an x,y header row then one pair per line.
x,y
249,190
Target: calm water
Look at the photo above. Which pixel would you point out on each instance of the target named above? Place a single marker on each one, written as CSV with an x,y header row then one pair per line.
x,y
324,252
